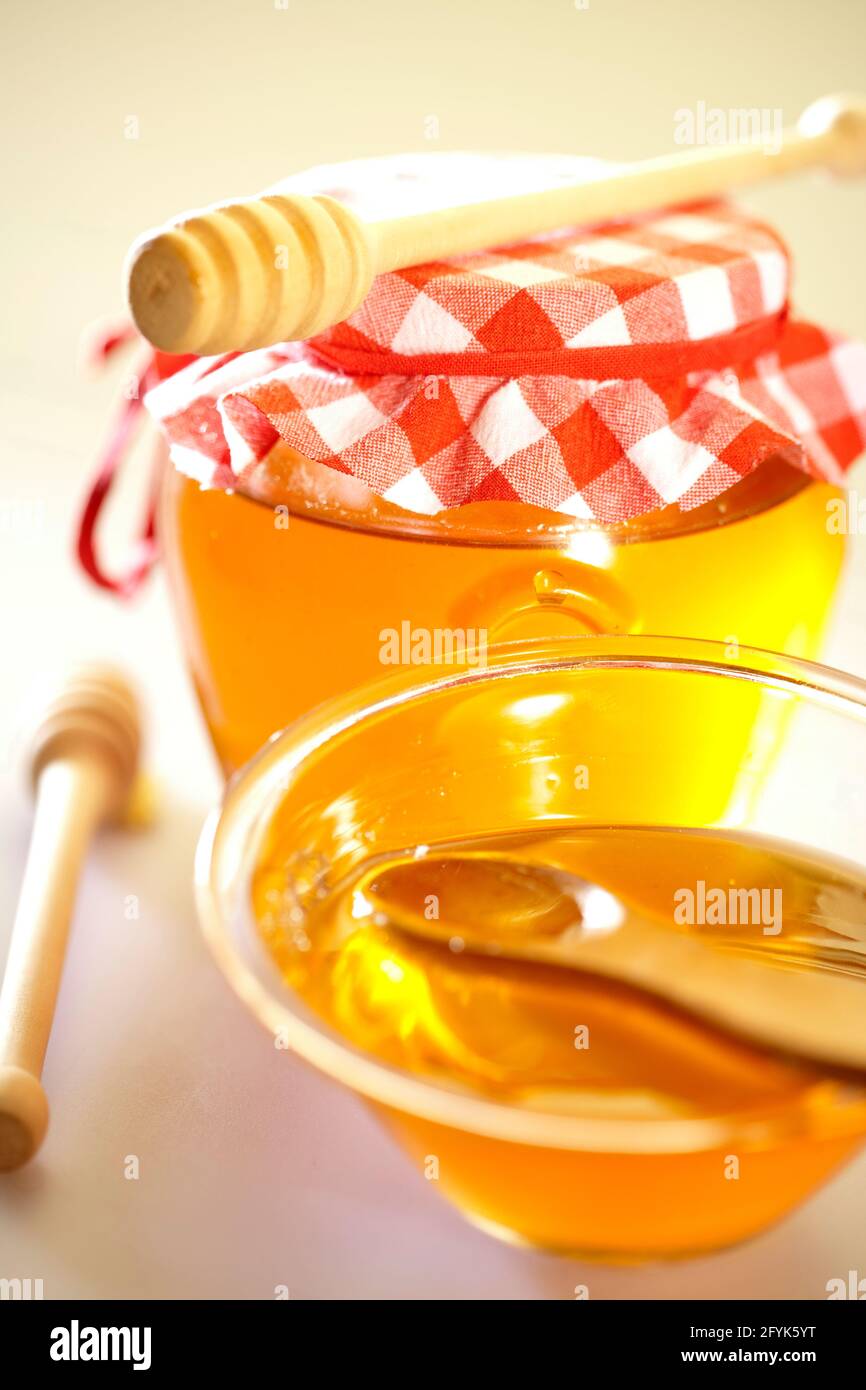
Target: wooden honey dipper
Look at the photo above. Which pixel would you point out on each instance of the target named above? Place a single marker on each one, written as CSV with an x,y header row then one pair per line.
x,y
83,759
287,266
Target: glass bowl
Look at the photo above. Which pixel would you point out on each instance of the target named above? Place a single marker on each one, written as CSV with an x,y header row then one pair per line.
x,y
655,756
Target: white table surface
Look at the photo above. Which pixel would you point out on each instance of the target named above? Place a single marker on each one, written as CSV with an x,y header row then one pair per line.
x,y
254,1172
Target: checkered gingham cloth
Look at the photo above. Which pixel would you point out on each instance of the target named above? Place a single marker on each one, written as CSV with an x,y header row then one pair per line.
x,y
602,372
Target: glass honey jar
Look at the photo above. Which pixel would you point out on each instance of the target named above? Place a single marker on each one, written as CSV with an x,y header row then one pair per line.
x,y
612,429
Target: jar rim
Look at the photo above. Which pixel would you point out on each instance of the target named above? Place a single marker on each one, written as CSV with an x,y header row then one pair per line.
x,y
773,482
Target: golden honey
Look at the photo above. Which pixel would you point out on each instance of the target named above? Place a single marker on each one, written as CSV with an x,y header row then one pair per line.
x,y
283,601
446,1002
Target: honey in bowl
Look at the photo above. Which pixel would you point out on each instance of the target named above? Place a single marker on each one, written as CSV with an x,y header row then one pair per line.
x,y
454,1004
379,872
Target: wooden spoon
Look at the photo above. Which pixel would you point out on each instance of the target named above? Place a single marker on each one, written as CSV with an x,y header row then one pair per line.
x,y
551,917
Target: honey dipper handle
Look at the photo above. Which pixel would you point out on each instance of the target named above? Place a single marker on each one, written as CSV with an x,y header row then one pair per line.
x,y
72,799
288,266
831,132
83,757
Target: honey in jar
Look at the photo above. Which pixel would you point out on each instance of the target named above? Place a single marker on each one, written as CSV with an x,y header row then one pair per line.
x,y
273,621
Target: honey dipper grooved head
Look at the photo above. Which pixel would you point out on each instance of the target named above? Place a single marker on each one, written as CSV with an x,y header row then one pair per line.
x,y
93,710
250,274
164,294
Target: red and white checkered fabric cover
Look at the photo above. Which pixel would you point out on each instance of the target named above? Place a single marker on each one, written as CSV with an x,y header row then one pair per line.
x,y
602,372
